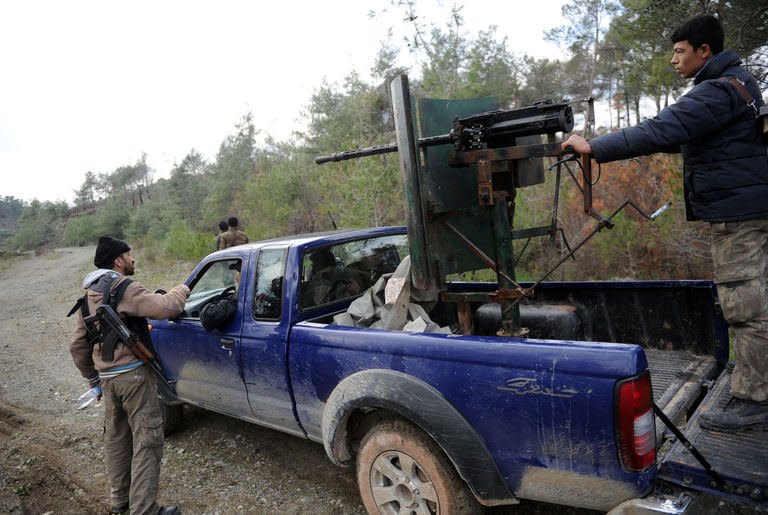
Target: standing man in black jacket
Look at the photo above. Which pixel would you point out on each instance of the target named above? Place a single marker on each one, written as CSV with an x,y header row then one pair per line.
x,y
726,184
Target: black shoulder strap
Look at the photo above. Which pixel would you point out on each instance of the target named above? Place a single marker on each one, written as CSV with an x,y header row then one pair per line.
x,y
111,338
78,305
91,331
114,297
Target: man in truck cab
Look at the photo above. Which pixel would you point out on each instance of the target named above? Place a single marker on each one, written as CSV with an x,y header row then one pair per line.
x,y
327,282
726,183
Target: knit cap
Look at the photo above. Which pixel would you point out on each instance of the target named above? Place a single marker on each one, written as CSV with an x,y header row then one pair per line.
x,y
107,250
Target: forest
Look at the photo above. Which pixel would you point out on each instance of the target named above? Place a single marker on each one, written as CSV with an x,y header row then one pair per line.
x,y
616,51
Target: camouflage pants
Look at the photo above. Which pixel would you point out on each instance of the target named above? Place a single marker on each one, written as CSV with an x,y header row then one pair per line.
x,y
133,439
740,258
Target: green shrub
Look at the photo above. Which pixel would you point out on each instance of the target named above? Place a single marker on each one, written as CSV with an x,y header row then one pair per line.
x,y
113,219
149,221
184,244
81,230
37,225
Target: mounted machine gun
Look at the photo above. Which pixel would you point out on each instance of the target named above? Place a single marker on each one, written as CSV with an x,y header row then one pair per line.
x,y
491,129
491,153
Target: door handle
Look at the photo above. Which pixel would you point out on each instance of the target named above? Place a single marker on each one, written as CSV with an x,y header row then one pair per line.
x,y
227,343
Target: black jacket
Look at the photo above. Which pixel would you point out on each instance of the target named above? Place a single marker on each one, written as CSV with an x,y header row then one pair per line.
x,y
726,166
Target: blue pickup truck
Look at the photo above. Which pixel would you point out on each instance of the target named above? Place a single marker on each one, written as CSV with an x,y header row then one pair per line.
x,y
450,421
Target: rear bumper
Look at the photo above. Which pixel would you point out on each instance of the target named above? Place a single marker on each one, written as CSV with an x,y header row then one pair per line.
x,y
655,504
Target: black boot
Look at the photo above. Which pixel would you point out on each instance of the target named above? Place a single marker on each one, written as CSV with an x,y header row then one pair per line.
x,y
737,415
169,510
119,510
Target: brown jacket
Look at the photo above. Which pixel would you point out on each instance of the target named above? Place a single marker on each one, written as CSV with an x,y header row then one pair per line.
x,y
137,301
232,237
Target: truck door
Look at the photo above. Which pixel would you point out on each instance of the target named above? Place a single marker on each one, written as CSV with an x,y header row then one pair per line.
x,y
264,344
208,362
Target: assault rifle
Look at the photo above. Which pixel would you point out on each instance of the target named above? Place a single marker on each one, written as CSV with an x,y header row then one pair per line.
x,y
492,129
109,319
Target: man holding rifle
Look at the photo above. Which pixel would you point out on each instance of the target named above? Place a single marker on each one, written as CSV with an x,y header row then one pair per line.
x,y
133,424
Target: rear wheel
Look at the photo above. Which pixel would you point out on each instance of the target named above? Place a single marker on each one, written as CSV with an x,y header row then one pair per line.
x,y
400,470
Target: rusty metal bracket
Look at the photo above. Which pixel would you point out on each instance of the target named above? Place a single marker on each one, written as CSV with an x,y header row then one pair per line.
x,y
479,253
485,195
510,294
466,158
465,317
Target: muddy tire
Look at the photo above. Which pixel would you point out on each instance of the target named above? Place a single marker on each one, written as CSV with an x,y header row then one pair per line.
x,y
401,470
172,414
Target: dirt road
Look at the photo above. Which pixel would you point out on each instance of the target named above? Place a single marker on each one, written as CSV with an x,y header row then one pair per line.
x,y
50,453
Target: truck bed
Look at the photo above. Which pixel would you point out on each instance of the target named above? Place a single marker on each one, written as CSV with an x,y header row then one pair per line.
x,y
676,378
741,459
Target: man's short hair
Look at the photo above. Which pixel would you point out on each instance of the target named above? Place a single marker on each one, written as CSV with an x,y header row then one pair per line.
x,y
232,221
699,30
223,225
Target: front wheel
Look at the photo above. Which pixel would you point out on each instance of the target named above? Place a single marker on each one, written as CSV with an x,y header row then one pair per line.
x,y
400,470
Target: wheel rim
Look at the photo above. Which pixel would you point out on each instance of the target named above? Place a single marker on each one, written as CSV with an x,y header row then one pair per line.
x,y
400,485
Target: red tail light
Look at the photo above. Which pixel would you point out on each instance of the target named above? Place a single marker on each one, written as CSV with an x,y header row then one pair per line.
x,y
635,423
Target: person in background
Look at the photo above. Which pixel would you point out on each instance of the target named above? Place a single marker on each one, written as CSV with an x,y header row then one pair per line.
x,y
726,184
222,229
233,236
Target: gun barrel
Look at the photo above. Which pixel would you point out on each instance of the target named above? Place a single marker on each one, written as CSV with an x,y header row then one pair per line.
x,y
360,152
431,141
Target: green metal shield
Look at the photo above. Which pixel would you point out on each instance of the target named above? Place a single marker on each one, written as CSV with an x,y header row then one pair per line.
x,y
450,194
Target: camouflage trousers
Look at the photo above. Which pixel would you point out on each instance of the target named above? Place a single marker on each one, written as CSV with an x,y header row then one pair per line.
x,y
133,439
740,258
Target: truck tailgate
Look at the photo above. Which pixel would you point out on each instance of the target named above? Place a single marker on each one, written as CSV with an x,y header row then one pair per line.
x,y
741,459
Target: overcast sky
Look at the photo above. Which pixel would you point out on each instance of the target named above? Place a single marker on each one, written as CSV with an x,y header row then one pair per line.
x,y
91,85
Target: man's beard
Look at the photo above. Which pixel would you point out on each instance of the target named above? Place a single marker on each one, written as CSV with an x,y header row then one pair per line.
x,y
129,270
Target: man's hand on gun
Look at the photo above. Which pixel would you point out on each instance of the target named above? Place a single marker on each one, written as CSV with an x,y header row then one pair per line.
x,y
577,144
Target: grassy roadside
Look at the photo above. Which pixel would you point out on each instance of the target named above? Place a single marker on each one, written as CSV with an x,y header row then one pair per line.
x,y
154,270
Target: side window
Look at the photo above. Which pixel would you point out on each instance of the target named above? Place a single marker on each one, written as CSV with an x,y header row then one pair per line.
x,y
214,279
346,270
269,284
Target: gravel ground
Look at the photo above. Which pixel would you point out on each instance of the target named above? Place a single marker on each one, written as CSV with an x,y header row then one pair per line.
x,y
51,454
